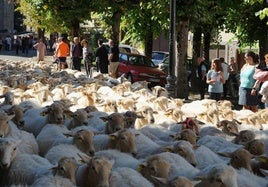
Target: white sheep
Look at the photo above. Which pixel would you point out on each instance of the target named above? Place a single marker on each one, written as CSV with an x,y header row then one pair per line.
x,y
50,134
148,118
120,159
217,175
95,172
21,168
36,119
128,177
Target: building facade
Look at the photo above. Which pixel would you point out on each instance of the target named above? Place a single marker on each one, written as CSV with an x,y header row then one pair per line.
x,y
6,17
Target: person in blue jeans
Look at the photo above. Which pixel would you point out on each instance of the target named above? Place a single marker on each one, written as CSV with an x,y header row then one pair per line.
x,y
215,80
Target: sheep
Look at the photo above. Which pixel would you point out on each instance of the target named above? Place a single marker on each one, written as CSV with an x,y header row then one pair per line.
x,y
217,175
78,118
154,166
9,98
34,123
50,134
20,168
18,115
229,127
166,165
82,143
120,159
62,175
147,112
127,104
159,91
130,118
240,158
255,147
128,177
160,103
115,122
244,137
123,140
218,144
176,182
187,135
95,172
108,106
184,149
55,153
8,129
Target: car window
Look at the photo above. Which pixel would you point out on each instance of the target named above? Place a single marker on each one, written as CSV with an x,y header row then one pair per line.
x,y
123,57
158,56
127,49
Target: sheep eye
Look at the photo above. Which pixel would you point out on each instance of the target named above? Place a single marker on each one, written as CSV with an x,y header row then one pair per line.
x,y
15,148
62,168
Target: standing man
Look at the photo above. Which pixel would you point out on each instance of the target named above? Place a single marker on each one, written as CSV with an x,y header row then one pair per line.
x,y
113,59
102,57
62,52
76,54
225,69
201,75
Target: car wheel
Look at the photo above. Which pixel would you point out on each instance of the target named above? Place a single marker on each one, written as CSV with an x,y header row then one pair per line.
x,y
130,78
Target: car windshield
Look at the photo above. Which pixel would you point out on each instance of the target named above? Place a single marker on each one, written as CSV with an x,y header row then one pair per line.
x,y
141,61
158,56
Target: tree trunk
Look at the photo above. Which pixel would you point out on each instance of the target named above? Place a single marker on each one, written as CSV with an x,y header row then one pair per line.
x,y
75,28
180,70
207,38
116,26
197,52
149,43
41,33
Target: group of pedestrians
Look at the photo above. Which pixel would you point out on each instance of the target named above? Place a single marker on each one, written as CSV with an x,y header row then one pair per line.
x,y
220,76
17,43
106,61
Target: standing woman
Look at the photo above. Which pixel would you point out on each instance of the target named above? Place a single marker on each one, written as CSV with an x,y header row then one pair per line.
x,y
248,96
215,80
40,50
87,53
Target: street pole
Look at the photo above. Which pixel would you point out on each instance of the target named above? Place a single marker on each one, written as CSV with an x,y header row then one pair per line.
x,y
171,78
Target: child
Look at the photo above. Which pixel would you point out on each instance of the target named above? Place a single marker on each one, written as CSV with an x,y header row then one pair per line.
x,y
215,80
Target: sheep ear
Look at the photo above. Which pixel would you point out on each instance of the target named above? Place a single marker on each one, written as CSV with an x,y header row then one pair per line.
x,y
237,122
264,172
167,149
68,135
104,118
200,177
43,113
54,170
196,146
225,154
262,159
160,180
90,116
141,166
69,114
84,158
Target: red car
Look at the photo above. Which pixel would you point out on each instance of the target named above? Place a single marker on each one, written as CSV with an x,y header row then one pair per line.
x,y
137,67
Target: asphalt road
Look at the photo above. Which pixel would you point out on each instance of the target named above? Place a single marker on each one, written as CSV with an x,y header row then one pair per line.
x,y
11,55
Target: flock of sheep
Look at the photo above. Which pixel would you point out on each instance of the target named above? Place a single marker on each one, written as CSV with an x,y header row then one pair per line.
x,y
61,128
